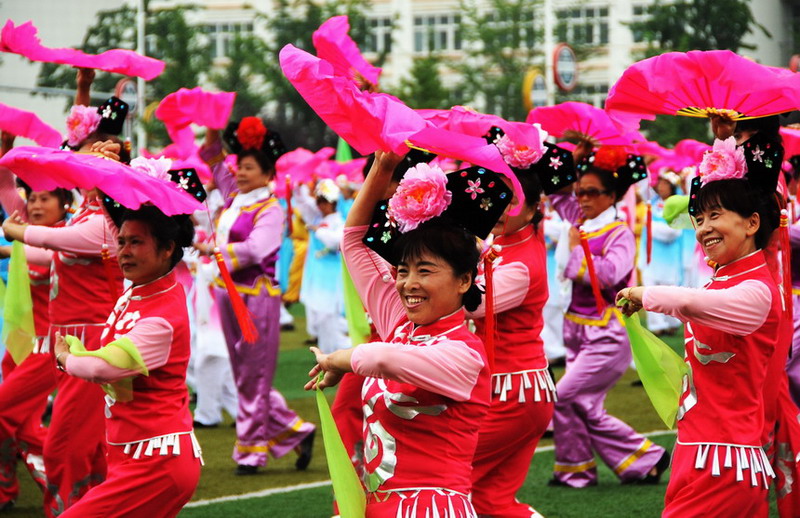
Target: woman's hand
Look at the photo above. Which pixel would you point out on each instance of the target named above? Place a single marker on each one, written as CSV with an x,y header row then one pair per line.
x,y
204,248
633,297
14,227
722,127
574,237
107,149
61,350
335,365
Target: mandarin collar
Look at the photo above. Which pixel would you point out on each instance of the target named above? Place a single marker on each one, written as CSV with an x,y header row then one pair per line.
x,y
743,264
515,238
155,286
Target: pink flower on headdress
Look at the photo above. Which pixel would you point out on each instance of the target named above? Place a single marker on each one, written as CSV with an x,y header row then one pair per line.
x,y
81,121
518,155
723,162
421,195
155,167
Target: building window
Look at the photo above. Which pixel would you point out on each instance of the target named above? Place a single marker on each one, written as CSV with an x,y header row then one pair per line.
x,y
639,15
379,35
583,26
437,33
220,35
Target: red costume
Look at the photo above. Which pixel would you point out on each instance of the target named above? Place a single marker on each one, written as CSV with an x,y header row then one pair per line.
x,y
719,467
80,301
523,391
153,457
422,415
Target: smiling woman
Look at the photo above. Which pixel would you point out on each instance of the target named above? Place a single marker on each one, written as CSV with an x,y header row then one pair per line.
x,y
734,331
419,455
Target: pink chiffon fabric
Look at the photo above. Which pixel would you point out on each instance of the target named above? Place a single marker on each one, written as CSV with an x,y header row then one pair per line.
x,y
582,119
367,121
23,40
299,166
46,169
27,124
719,79
334,45
791,141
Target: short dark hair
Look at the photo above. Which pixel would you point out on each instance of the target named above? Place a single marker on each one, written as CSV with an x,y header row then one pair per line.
x,y
166,230
738,196
608,181
449,241
264,162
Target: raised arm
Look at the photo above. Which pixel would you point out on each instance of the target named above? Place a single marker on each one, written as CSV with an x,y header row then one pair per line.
x,y
212,154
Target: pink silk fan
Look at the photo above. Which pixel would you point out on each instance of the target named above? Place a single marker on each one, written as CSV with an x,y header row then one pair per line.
x,y
701,84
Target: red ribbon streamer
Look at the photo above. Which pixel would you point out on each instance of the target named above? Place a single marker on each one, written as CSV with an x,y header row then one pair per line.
x,y
598,296
249,331
649,232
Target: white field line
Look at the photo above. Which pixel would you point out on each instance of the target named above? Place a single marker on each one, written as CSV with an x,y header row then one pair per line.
x,y
323,483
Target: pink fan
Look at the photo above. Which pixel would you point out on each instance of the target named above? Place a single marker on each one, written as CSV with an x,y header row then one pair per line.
x,y
23,40
475,124
334,45
791,142
691,151
298,166
574,120
46,169
367,121
184,107
701,84
651,148
27,124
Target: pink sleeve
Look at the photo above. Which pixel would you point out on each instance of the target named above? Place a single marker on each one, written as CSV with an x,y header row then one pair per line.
x,y
264,240
739,310
40,256
9,196
511,282
223,177
85,238
566,204
152,337
449,367
373,280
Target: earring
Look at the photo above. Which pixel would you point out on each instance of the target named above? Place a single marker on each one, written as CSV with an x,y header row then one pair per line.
x,y
66,206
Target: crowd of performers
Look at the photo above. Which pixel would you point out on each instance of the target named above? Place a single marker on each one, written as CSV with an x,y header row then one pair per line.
x,y
473,286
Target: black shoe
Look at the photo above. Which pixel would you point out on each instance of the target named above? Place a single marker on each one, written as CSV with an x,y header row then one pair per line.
x,y
661,466
311,341
6,506
304,451
244,469
198,424
287,327
636,383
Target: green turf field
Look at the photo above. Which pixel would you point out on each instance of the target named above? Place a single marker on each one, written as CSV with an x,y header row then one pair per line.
x,y
218,481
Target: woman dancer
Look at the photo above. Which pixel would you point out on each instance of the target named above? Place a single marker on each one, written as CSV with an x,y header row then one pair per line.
x,y
523,391
597,345
249,235
427,381
719,467
153,457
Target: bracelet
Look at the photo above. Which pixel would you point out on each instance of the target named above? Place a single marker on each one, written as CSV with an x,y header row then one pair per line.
x,y
58,363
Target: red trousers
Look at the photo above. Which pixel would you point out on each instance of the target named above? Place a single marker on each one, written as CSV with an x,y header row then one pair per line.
x,y
74,453
697,493
508,437
23,398
148,487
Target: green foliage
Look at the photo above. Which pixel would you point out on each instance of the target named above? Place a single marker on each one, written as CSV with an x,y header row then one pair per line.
x,y
423,87
667,130
294,21
170,39
697,25
500,42
245,75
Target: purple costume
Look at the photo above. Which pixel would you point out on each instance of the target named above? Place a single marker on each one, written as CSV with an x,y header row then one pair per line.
x,y
793,363
264,423
598,354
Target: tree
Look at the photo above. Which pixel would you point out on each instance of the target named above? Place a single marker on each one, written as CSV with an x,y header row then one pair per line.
x,y
693,25
501,43
423,87
169,38
245,75
294,21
